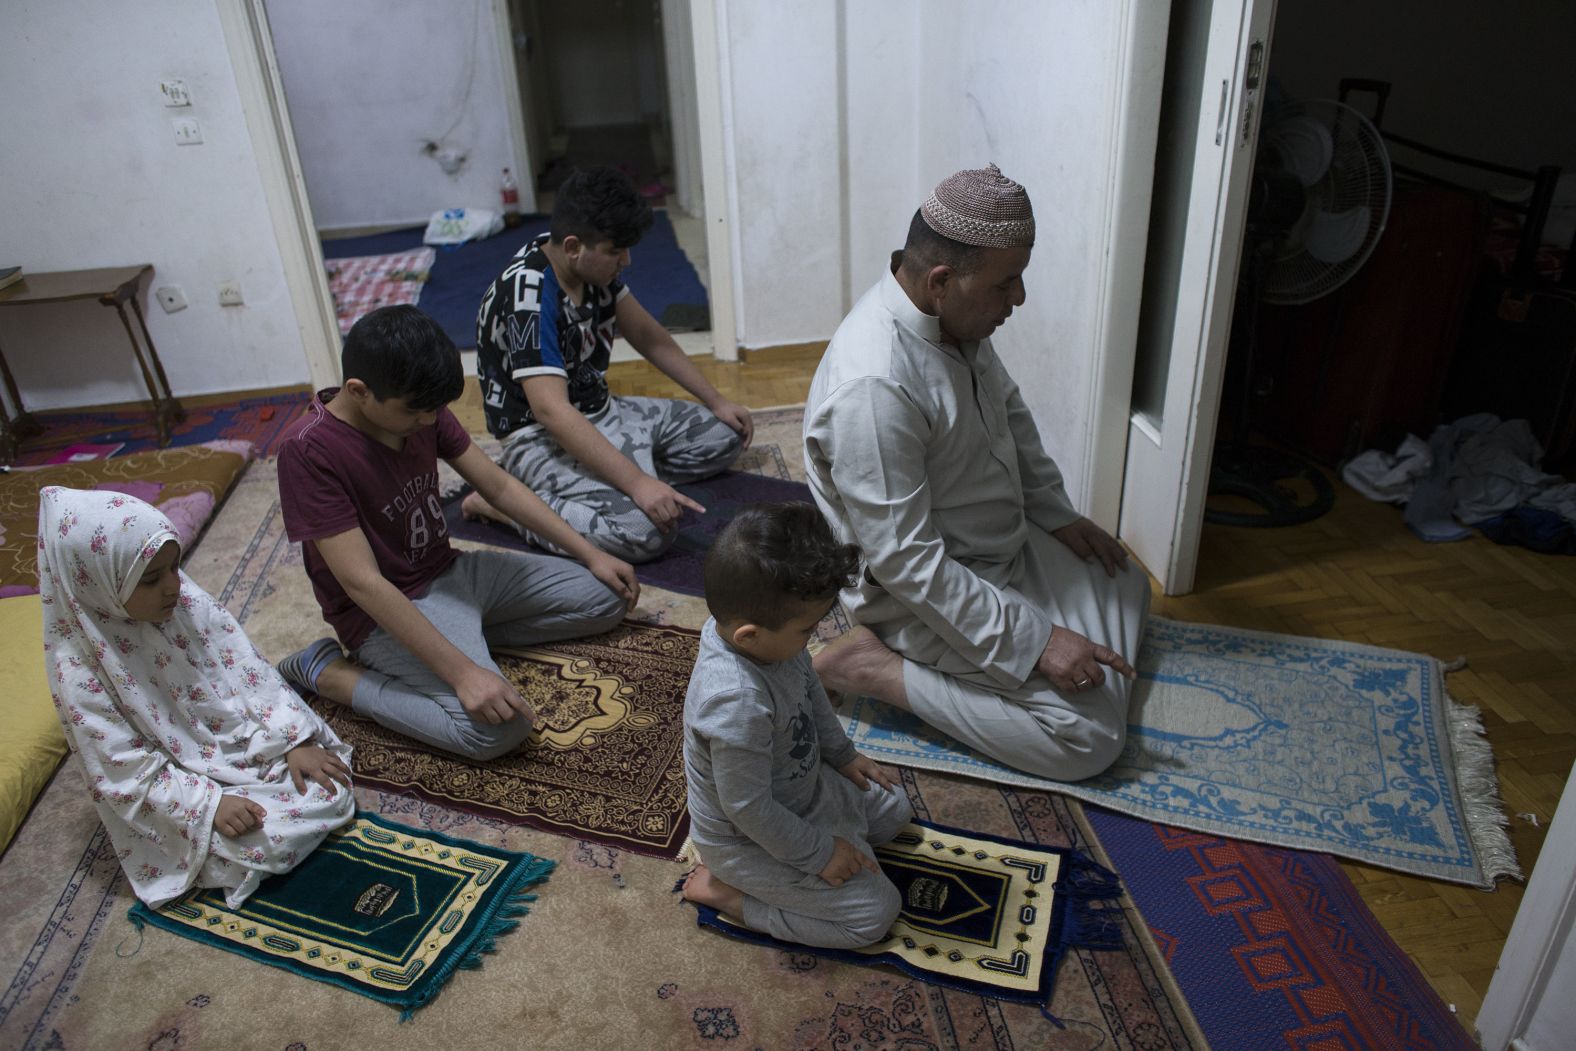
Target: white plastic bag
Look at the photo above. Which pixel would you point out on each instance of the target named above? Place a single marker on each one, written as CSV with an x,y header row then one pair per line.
x,y
454,226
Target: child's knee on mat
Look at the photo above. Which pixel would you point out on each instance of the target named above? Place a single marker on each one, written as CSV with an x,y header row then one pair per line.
x,y
485,741
606,615
873,919
888,820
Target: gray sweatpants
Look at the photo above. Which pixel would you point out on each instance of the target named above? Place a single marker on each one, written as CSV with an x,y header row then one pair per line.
x,y
799,907
674,441
487,598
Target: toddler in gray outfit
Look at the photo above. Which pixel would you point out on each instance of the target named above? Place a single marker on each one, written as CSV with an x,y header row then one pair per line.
x,y
783,810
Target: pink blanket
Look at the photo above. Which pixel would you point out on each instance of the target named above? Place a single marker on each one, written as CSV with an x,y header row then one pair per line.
x,y
365,282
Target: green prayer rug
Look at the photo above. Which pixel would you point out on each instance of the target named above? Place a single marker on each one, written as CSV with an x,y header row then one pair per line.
x,y
380,909
980,913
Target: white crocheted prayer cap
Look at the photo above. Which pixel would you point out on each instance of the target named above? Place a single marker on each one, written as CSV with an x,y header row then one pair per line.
x,y
981,206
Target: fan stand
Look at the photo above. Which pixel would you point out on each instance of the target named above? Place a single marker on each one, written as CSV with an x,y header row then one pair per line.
x,y
1254,473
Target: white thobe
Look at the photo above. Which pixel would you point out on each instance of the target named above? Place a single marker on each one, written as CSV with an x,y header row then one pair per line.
x,y
925,455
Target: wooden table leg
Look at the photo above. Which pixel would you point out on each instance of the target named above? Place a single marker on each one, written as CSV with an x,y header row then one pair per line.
x,y
14,430
158,366
166,409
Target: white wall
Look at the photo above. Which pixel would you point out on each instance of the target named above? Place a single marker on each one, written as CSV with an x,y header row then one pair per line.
x,y
884,176
785,174
1489,80
883,107
92,177
1031,88
369,82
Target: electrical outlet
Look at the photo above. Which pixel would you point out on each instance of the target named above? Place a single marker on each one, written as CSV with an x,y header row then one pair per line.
x,y
175,93
171,298
187,131
230,294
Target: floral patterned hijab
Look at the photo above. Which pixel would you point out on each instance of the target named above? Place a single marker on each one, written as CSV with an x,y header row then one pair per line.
x,y
164,716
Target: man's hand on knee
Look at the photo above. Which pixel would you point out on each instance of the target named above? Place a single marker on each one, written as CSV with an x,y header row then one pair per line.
x,y
1089,541
1073,663
489,698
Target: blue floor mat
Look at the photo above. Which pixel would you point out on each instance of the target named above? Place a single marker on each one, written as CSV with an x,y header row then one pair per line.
x,y
659,274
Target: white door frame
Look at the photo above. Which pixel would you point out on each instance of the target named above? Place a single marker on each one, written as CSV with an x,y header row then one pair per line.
x,y
251,46
704,28
1544,927
1167,472
267,113
519,147
1133,109
709,26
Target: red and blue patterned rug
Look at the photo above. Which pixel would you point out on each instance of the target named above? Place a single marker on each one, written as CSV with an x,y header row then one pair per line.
x,y
260,420
1273,947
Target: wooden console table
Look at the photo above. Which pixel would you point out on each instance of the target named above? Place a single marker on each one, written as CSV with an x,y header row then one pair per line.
x,y
113,287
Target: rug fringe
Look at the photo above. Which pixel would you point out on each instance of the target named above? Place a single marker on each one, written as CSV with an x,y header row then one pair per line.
x,y
1086,926
1485,816
1082,877
503,919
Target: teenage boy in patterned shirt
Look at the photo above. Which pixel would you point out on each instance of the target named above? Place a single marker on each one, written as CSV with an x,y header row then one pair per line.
x,y
544,334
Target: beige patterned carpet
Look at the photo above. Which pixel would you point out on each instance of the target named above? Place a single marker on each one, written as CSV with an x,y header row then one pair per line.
x,y
608,957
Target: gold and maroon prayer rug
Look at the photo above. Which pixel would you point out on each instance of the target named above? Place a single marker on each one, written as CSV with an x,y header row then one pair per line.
x,y
605,763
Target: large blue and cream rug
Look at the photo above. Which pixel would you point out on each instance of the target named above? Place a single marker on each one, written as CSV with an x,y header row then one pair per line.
x,y
1306,743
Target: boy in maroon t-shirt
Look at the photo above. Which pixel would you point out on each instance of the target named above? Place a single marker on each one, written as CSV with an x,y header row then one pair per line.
x,y
358,485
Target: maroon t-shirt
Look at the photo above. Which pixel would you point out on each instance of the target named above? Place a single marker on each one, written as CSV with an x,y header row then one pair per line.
x,y
333,477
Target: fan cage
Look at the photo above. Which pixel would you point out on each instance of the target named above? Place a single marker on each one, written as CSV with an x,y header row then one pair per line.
x,y
1358,177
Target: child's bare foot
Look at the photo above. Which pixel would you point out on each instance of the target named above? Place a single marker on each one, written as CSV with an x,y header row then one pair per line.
x,y
860,663
474,508
703,888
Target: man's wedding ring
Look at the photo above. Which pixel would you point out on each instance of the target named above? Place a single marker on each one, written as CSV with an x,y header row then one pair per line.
x,y
1081,683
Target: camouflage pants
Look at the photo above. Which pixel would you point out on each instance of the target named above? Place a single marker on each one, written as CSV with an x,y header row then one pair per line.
x,y
674,441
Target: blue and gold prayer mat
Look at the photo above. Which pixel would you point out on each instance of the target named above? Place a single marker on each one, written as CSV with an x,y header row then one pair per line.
x,y
379,909
983,914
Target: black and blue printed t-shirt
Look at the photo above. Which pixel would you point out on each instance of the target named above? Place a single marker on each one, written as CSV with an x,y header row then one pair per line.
x,y
527,327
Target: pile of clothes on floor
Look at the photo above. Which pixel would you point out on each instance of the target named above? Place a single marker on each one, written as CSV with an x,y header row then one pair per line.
x,y
1480,472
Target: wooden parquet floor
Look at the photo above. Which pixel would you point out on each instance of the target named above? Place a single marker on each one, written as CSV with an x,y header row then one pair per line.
x,y
1358,574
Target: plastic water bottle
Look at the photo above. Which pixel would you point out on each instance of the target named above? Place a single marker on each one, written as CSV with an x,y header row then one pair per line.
x,y
509,191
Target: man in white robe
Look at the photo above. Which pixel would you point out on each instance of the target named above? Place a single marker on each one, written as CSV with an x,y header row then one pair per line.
x,y
989,607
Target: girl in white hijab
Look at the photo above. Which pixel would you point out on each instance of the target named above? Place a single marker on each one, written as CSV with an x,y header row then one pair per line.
x,y
206,768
